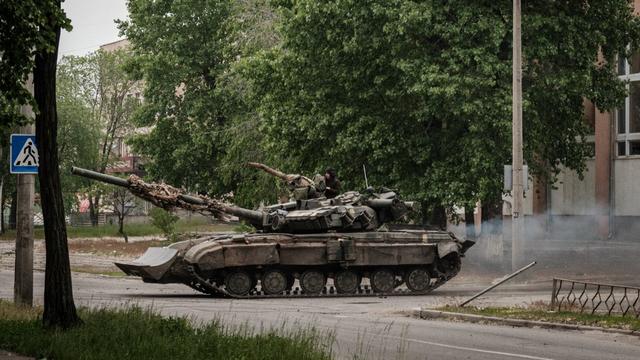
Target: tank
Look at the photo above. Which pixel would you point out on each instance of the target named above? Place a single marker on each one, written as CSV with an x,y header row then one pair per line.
x,y
345,246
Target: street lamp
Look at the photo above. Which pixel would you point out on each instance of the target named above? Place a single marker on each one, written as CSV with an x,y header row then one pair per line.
x,y
517,191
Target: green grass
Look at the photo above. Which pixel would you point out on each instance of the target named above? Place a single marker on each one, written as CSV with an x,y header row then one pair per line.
x,y
183,226
541,312
136,333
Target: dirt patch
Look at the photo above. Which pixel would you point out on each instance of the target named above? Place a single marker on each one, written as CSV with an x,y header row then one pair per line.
x,y
113,247
91,256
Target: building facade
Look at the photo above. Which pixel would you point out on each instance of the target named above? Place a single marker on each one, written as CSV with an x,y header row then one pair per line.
x,y
605,204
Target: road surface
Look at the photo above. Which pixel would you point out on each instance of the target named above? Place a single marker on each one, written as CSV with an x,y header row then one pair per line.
x,y
371,328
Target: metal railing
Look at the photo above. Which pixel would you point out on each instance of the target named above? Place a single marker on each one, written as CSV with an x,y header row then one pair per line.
x,y
588,297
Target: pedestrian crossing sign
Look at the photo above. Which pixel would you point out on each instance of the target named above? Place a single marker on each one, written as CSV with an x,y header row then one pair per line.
x,y
24,154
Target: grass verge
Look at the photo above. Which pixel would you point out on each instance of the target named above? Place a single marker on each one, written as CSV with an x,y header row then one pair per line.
x,y
541,312
136,333
98,271
183,226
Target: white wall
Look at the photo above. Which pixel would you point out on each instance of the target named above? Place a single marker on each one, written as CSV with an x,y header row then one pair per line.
x,y
627,187
572,196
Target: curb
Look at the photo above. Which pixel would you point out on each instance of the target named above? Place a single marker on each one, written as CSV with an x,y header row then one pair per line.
x,y
437,314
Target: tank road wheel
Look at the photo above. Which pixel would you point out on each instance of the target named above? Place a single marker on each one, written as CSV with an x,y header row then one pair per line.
x,y
383,281
346,282
274,282
238,283
312,282
418,280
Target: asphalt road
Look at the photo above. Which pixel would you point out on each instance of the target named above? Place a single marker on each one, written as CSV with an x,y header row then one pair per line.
x,y
371,328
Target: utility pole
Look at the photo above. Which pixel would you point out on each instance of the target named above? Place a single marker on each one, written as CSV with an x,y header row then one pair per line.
x,y
23,285
517,191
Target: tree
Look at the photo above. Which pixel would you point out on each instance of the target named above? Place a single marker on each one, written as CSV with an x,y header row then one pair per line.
x,y
420,92
122,203
179,49
111,98
78,131
29,35
202,131
7,182
59,308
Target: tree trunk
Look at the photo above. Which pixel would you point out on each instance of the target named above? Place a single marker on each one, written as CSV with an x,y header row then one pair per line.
x,y
438,217
13,210
94,210
59,307
492,216
121,228
469,223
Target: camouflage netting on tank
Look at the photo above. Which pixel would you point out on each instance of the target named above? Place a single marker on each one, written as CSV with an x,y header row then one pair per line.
x,y
168,198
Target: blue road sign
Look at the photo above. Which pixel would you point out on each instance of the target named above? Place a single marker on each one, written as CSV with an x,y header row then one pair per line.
x,y
24,154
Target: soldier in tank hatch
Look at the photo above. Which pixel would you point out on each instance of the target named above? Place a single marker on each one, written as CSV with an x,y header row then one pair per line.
x,y
332,183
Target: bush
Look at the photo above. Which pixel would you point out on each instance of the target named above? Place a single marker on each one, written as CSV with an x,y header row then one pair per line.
x,y
165,221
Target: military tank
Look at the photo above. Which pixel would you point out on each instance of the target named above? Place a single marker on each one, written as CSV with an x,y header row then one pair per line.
x,y
325,246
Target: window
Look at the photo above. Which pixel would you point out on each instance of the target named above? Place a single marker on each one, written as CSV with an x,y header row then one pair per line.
x,y
628,116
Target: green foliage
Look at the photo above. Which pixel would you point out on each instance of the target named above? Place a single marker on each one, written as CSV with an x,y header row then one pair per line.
x,y
180,52
202,130
136,333
95,100
24,31
78,130
165,221
420,92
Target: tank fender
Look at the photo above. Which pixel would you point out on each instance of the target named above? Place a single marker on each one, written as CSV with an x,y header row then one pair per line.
x,y
466,245
207,255
447,247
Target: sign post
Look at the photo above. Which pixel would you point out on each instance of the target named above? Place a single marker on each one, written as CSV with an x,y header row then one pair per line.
x,y
24,161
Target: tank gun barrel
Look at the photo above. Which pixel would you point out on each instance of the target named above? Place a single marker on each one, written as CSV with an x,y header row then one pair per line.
x,y
164,200
94,175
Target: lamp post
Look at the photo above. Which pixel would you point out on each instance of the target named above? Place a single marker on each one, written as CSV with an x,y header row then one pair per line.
x,y
517,176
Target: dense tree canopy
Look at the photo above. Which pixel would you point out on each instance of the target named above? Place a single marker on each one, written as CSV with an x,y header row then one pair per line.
x,y
418,91
21,37
201,127
180,48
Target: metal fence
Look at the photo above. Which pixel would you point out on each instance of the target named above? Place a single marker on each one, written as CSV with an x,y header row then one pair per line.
x,y
588,297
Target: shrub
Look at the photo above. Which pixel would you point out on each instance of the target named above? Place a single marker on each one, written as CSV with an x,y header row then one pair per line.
x,y
165,221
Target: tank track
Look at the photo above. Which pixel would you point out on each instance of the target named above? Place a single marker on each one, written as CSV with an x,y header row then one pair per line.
x,y
205,286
